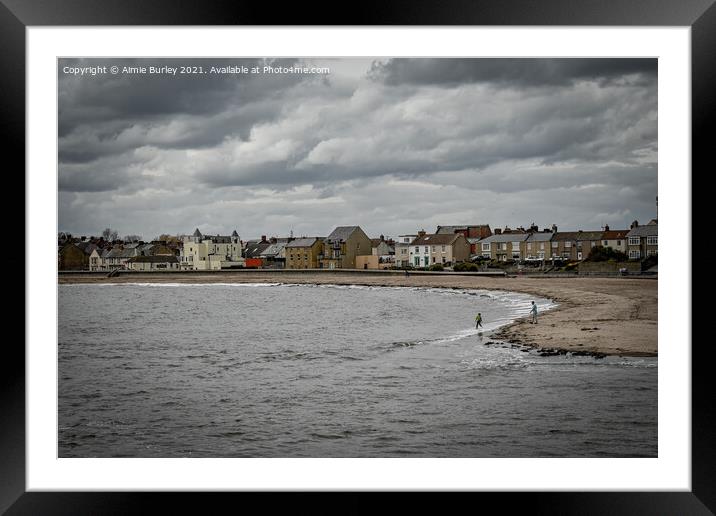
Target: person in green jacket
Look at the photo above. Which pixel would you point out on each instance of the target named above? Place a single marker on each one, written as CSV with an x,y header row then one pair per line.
x,y
478,320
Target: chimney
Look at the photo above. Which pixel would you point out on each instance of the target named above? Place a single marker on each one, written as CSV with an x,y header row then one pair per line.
x,y
382,238
498,231
274,240
554,228
606,227
634,224
421,233
534,228
263,238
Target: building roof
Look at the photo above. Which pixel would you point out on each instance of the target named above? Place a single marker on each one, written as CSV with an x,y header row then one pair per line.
x,y
444,230
615,234
644,231
254,250
542,236
577,235
435,239
509,237
341,233
302,242
273,249
116,252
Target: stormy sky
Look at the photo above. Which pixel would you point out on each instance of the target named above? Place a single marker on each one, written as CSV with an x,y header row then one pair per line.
x,y
392,145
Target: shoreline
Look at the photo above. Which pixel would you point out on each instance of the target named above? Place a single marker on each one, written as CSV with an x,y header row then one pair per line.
x,y
595,315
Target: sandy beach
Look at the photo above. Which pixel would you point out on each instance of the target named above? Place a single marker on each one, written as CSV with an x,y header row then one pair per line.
x,y
613,316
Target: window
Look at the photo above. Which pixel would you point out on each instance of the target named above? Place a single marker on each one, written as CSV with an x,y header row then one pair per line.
x,y
651,240
633,254
426,249
606,243
541,247
403,251
634,240
443,249
485,247
555,245
417,249
529,246
433,249
568,245
619,242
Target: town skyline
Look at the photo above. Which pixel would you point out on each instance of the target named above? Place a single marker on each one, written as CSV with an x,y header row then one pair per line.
x,y
375,142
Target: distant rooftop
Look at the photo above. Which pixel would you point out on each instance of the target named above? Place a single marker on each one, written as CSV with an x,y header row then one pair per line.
x,y
341,233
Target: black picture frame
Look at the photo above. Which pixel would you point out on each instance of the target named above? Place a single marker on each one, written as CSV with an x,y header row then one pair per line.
x,y
16,15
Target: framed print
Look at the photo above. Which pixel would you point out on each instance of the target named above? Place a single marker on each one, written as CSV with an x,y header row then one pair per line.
x,y
197,346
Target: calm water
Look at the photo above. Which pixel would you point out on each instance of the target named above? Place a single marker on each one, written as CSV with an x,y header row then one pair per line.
x,y
331,371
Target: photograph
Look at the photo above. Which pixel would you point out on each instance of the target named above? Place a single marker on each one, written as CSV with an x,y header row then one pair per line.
x,y
357,257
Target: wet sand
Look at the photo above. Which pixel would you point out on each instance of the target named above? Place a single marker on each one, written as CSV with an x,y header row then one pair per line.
x,y
613,316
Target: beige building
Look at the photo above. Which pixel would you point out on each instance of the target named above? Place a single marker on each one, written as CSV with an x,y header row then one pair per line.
x,y
504,246
537,246
200,252
96,260
303,253
154,263
443,249
642,241
575,245
616,239
372,262
341,247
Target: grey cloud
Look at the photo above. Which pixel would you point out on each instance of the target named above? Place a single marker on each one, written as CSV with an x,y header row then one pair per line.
x,y
146,95
512,72
394,150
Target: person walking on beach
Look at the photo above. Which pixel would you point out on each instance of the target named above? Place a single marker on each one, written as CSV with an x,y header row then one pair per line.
x,y
478,320
533,311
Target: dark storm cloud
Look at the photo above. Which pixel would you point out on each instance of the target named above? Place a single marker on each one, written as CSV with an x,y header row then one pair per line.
x,y
511,72
95,98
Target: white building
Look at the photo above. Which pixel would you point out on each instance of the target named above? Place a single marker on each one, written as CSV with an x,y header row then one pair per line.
x,y
402,250
210,252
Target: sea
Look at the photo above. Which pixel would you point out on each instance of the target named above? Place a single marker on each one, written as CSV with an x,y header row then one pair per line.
x,y
284,370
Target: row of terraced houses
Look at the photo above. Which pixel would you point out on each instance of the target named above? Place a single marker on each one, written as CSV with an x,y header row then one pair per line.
x,y
349,247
